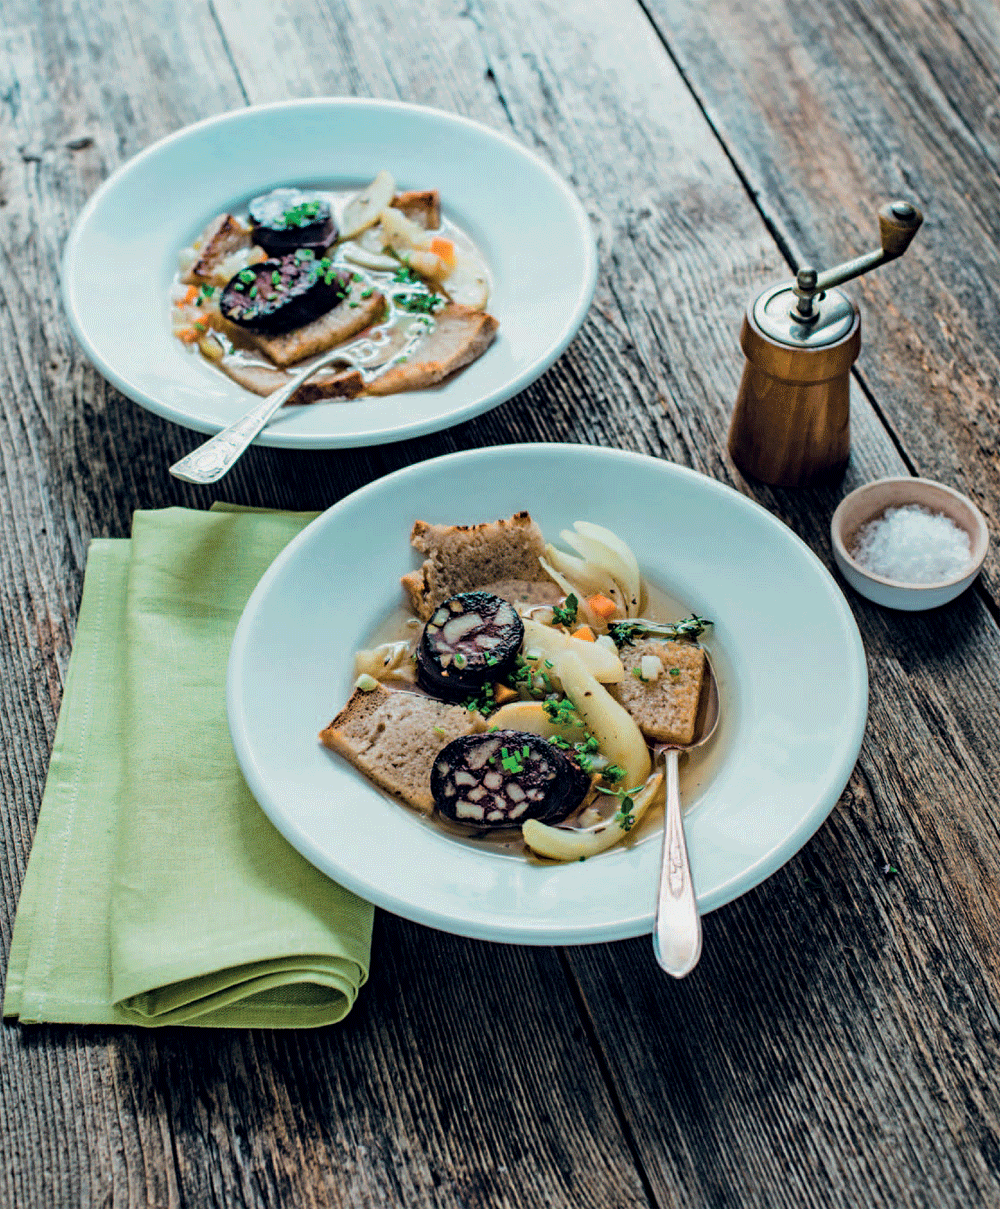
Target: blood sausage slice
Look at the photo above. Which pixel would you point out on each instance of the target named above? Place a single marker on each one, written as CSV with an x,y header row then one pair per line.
x,y
501,779
471,639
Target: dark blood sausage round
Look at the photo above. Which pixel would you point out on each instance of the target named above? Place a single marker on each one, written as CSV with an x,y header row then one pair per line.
x,y
501,779
278,295
285,219
472,638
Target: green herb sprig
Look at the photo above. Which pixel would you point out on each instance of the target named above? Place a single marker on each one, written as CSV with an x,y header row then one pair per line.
x,y
626,804
624,633
566,614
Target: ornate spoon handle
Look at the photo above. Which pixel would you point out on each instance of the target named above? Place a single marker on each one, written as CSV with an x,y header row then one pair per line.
x,y
217,456
677,929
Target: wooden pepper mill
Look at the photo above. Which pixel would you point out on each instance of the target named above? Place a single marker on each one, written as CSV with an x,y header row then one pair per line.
x,y
791,423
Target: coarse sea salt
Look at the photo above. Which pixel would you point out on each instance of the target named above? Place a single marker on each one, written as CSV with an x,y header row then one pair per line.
x,y
913,545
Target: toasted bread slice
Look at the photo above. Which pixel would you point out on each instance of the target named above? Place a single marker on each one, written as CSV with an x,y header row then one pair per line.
x,y
666,708
327,384
461,335
522,592
392,736
462,558
222,237
421,205
345,320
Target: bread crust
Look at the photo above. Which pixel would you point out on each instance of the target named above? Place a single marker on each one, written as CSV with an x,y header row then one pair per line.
x,y
461,335
462,558
423,206
666,708
392,736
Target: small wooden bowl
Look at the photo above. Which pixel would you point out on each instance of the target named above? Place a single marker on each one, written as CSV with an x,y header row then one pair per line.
x,y
869,502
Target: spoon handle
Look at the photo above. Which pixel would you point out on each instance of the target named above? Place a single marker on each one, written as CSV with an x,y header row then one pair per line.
x,y
217,456
677,928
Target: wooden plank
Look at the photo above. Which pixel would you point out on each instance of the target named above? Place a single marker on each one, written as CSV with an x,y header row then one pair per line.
x,y
455,1082
830,109
748,1156
512,1109
70,1136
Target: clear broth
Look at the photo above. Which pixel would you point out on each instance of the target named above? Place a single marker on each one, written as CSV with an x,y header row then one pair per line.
x,y
696,767
399,334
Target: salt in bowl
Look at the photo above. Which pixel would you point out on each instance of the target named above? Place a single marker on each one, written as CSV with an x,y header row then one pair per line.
x,y
868,503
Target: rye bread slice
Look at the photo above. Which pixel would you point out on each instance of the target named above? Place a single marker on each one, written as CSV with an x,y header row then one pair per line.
x,y
347,319
421,205
462,558
666,708
461,334
392,736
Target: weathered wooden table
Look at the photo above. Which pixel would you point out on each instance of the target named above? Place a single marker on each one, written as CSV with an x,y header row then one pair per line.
x,y
839,1044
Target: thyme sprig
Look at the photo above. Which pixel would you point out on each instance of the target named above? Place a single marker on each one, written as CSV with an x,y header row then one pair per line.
x,y
624,633
626,804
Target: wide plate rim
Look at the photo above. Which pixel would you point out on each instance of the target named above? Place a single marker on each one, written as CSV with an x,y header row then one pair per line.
x,y
638,922
275,437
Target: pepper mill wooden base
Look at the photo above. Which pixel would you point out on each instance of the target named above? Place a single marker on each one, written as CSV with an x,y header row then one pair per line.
x,y
791,423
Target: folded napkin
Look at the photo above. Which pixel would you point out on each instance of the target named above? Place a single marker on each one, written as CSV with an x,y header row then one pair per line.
x,y
157,891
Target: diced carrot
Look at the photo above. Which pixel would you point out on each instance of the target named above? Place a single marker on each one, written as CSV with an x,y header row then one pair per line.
x,y
503,694
602,606
585,633
188,334
444,248
190,296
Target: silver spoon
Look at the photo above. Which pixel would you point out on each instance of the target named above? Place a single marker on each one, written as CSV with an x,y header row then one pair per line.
x,y
677,927
217,456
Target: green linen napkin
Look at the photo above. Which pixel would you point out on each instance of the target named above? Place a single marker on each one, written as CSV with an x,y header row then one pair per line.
x,y
157,891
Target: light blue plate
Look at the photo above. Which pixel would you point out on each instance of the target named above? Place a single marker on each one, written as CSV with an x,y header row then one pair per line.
x,y
122,255
789,659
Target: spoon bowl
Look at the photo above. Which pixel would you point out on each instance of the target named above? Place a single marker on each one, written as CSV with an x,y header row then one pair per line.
x,y
677,926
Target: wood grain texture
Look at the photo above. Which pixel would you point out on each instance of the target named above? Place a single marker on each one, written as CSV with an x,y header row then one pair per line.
x,y
830,109
837,1043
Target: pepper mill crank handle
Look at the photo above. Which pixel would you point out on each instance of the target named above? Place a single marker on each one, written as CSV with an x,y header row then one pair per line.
x,y
898,222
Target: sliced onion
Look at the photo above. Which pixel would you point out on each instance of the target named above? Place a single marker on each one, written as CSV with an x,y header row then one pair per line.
x,y
356,254
614,728
613,543
364,210
530,716
584,610
587,578
603,664
468,283
562,844
400,233
601,556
